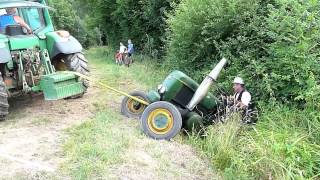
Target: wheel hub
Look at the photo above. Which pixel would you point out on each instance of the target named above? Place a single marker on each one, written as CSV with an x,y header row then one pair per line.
x,y
160,121
135,107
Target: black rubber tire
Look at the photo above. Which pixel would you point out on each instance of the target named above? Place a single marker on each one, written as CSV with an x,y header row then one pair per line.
x,y
175,114
4,105
73,62
78,63
125,110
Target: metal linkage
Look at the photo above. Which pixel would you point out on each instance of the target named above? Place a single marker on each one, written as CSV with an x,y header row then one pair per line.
x,y
103,85
45,59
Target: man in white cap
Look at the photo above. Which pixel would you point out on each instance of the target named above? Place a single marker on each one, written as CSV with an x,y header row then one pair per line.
x,y
242,97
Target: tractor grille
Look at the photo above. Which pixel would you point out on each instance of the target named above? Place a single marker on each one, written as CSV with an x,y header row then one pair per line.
x,y
184,96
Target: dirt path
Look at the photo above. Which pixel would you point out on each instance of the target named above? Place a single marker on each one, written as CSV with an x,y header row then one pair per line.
x,y
31,138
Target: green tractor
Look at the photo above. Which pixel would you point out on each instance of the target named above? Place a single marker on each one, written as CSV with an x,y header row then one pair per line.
x,y
38,59
179,102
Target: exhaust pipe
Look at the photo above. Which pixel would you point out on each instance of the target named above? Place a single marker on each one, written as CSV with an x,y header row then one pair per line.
x,y
204,87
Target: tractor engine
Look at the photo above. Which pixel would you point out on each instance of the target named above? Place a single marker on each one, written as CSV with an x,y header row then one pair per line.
x,y
25,70
179,89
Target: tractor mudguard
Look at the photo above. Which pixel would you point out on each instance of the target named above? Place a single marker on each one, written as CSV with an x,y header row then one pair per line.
x,y
5,54
62,45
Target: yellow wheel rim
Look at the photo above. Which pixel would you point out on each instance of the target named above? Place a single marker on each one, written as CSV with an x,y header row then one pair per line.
x,y
135,107
160,121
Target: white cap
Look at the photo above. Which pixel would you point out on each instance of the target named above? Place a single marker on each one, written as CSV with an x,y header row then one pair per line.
x,y
238,80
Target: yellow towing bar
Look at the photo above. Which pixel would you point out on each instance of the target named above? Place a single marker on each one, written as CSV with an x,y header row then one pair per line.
x,y
101,84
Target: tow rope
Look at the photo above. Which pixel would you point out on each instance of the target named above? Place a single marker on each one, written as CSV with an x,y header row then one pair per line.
x,y
103,85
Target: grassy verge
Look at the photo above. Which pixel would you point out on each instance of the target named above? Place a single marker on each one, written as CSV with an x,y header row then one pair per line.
x,y
109,146
283,145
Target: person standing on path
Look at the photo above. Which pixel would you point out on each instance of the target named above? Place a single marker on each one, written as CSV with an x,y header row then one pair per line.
x,y
130,48
122,51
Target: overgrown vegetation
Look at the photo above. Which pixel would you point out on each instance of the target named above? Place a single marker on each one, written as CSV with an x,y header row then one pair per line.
x,y
283,145
112,21
273,44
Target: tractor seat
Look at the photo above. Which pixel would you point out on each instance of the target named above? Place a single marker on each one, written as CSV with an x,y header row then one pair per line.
x,y
14,30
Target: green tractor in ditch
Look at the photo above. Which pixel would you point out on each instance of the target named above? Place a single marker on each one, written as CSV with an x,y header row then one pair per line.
x,y
37,59
179,103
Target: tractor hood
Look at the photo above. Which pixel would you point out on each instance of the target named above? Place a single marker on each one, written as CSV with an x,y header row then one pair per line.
x,y
21,4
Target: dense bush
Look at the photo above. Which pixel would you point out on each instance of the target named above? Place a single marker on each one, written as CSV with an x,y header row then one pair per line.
x,y
273,44
142,21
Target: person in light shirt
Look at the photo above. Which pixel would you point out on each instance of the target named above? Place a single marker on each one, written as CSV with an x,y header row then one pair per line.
x,y
242,97
122,50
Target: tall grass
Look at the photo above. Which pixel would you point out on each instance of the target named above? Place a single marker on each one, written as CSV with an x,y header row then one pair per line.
x,y
283,145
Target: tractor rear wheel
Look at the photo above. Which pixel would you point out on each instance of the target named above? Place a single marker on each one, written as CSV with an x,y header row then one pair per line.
x,y
161,121
131,108
4,105
74,62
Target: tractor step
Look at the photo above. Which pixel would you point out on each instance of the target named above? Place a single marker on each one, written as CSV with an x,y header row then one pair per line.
x,y
61,85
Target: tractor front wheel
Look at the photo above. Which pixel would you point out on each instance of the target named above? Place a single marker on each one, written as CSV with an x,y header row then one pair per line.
x,y
161,121
4,105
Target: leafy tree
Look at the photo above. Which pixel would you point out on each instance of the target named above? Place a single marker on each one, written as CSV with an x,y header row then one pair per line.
x,y
273,44
65,18
142,21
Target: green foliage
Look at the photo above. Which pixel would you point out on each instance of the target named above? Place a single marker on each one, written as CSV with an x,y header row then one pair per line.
x,y
142,21
65,18
283,145
273,44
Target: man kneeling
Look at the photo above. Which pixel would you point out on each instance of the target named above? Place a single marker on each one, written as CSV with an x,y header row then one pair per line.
x,y
242,102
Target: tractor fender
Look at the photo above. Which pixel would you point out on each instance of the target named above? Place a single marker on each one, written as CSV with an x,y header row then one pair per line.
x,y
62,45
5,54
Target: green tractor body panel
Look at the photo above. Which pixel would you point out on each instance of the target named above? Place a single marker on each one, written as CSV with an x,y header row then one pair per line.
x,y
5,49
193,121
23,42
33,54
180,89
57,45
60,85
